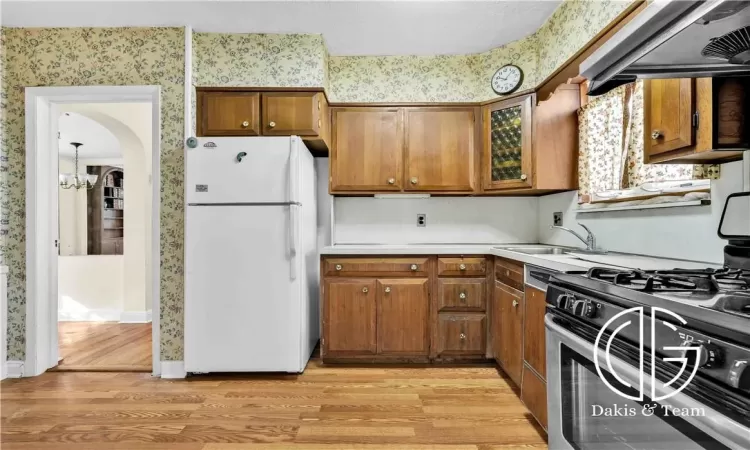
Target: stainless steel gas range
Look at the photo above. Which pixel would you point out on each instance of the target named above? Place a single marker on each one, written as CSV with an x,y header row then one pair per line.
x,y
651,359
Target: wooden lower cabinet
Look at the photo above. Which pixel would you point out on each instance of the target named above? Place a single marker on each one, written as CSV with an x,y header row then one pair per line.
x,y
349,326
507,331
403,316
534,344
534,395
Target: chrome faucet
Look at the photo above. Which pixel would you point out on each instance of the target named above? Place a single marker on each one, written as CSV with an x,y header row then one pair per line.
x,y
589,240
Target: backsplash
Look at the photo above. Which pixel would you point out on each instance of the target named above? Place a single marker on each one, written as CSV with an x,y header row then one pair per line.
x,y
479,220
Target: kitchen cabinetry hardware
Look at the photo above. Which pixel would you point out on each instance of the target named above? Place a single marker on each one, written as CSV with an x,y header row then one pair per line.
x,y
462,267
462,336
413,267
391,181
656,134
338,267
413,180
515,303
271,124
365,290
245,124
387,289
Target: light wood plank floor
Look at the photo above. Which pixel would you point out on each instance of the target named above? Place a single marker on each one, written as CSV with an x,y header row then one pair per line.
x,y
326,408
105,346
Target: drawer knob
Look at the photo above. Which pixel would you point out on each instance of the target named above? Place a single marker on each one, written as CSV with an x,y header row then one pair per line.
x,y
462,336
245,124
365,290
656,134
413,267
387,289
271,124
462,295
338,267
318,105
320,124
391,181
523,177
515,303
507,273
414,180
462,266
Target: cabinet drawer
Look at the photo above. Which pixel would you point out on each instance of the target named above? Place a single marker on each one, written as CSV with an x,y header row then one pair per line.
x,y
509,272
462,334
470,267
461,294
403,267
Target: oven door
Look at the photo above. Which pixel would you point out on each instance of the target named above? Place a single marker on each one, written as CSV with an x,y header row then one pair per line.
x,y
585,414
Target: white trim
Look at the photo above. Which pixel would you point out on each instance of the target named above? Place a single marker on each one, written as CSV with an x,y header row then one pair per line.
x,y
13,369
90,315
173,369
41,171
188,82
135,317
614,206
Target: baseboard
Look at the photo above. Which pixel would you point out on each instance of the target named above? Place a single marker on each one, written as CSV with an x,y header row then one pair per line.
x,y
90,315
173,369
135,316
13,369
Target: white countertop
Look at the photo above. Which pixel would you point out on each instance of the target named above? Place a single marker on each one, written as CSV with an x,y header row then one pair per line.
x,y
563,263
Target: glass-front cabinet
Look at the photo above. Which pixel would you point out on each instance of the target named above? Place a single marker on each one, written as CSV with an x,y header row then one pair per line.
x,y
508,146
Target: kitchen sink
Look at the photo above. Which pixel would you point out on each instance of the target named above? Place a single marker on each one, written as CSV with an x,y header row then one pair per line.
x,y
539,250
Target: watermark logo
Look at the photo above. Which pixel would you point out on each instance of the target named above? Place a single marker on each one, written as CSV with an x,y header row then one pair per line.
x,y
642,376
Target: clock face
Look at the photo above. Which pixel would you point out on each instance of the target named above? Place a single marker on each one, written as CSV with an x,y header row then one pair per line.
x,y
507,79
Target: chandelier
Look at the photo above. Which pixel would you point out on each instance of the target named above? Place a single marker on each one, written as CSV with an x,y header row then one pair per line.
x,y
75,179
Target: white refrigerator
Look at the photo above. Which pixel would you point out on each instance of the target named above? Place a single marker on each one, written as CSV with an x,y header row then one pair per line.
x,y
251,262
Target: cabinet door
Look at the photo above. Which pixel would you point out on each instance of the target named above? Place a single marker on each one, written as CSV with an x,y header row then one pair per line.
x,y
534,395
508,330
291,113
367,149
228,113
507,158
440,149
349,317
403,316
461,334
668,115
534,347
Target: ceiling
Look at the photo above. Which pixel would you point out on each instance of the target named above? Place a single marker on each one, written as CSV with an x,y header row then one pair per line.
x,y
98,141
349,27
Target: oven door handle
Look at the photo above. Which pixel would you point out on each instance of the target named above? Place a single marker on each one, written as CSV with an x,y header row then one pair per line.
x,y
714,422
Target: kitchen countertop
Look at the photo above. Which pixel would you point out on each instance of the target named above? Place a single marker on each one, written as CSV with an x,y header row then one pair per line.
x,y
562,263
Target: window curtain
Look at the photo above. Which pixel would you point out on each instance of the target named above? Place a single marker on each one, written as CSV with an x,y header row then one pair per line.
x,y
611,146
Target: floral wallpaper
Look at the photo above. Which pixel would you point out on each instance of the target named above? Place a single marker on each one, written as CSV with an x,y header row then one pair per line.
x,y
221,59
87,57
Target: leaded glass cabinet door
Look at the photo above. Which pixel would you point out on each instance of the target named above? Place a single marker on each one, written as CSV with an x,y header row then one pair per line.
x,y
507,161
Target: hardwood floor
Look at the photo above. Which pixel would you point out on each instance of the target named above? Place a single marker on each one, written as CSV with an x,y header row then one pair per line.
x,y
105,346
331,408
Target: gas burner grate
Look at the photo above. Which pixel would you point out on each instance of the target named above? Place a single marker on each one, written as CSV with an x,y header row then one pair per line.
x,y
676,280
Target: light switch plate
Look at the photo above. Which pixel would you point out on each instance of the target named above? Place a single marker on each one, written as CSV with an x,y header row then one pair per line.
x,y
421,220
557,219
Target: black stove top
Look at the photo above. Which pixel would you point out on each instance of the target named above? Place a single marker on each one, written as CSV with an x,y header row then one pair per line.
x,y
676,280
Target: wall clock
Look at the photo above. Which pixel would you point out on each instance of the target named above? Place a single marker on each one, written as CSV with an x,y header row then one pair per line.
x,y
507,79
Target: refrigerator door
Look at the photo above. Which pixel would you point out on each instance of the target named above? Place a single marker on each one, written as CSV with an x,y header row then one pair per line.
x,y
242,289
248,170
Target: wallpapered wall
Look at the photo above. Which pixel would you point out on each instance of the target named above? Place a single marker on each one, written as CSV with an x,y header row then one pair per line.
x,y
155,56
87,57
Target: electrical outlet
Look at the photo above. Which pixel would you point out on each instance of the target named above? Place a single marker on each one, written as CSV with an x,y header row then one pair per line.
x,y
421,220
557,219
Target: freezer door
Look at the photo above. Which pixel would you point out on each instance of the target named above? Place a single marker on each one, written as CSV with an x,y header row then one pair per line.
x,y
242,290
243,170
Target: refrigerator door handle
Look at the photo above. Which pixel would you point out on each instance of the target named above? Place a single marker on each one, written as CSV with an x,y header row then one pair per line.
x,y
293,170
293,238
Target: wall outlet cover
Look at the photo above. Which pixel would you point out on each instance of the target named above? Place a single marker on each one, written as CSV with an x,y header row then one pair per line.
x,y
557,219
421,220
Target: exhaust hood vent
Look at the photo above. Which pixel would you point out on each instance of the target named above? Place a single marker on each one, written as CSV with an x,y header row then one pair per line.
x,y
733,47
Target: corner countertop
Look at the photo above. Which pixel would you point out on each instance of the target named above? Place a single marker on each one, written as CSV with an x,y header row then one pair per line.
x,y
571,262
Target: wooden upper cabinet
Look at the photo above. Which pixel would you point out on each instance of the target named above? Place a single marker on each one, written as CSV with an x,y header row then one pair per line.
x,y
366,150
403,316
440,149
507,162
292,113
349,317
228,113
669,106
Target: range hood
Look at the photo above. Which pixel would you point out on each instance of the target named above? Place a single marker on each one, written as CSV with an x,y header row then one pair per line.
x,y
674,39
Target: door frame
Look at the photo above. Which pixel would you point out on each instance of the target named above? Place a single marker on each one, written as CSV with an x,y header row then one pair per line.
x,y
42,226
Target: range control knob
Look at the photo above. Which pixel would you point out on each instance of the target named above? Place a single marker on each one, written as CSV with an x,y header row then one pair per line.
x,y
584,308
711,355
739,375
563,301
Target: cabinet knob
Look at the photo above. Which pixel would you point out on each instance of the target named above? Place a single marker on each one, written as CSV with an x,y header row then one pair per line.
x,y
391,181
338,267
414,180
318,105
365,289
507,273
656,134
271,124
413,267
523,177
245,124
387,289
462,336
462,295
462,266
320,124
515,303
